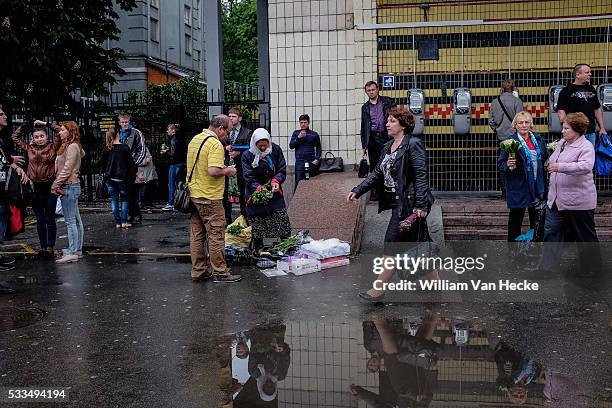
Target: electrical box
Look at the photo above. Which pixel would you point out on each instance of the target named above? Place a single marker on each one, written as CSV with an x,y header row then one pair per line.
x,y
604,93
416,105
462,111
554,124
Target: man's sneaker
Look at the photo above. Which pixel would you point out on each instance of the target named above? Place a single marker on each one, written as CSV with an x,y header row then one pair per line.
x,y
6,260
67,258
6,268
168,207
227,278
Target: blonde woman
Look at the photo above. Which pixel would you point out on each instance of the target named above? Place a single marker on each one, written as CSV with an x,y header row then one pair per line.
x,y
524,175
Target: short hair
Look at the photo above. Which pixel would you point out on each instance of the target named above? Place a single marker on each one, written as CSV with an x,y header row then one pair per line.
x,y
219,121
174,126
578,122
236,111
39,129
304,117
507,85
370,83
124,115
578,68
404,117
522,114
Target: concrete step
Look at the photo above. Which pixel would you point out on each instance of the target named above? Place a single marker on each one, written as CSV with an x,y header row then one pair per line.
x,y
461,233
451,220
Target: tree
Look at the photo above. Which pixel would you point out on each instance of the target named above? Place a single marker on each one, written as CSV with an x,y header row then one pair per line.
x,y
51,48
239,24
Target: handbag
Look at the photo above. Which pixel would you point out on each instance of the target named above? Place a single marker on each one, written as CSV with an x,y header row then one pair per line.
x,y
181,200
101,190
364,168
331,164
603,156
10,184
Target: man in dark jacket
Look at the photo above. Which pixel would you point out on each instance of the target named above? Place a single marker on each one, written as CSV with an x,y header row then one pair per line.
x,y
134,139
373,124
177,154
239,136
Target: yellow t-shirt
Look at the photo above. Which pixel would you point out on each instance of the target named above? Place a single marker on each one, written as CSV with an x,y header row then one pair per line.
x,y
202,184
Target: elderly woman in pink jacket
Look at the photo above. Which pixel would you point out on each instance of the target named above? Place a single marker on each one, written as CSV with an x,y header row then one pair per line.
x,y
572,197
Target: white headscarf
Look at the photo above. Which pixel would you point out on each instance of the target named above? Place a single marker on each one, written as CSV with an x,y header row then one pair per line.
x,y
259,134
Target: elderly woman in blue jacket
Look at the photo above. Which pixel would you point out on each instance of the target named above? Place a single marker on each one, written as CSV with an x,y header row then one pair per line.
x,y
524,175
264,167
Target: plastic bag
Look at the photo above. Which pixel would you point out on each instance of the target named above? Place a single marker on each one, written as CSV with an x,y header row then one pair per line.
x,y
326,248
243,239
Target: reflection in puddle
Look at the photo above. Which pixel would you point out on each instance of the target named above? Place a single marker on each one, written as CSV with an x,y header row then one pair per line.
x,y
413,362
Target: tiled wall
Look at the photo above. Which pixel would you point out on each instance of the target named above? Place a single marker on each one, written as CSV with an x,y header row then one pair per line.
x,y
318,65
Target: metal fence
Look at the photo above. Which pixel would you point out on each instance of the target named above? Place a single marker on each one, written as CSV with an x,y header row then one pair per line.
x,y
95,117
444,45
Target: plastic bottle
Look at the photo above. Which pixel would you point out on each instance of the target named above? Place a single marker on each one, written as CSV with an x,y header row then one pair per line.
x,y
307,171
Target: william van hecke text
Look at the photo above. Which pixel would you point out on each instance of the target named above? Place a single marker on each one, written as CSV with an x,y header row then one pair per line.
x,y
446,285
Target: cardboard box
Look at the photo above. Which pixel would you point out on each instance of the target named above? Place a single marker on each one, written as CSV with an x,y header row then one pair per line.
x,y
298,266
334,262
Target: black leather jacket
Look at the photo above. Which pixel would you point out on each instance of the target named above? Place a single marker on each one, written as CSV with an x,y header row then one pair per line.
x,y
410,174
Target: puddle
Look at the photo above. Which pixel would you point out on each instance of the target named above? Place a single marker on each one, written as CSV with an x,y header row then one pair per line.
x,y
413,362
16,317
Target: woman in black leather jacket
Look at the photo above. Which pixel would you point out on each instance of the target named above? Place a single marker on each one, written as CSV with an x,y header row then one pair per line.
x,y
401,180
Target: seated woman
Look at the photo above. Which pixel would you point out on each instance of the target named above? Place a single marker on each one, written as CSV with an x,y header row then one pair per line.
x,y
524,175
264,163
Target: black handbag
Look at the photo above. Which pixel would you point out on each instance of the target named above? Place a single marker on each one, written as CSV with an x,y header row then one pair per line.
x,y
331,164
181,200
10,184
102,190
364,168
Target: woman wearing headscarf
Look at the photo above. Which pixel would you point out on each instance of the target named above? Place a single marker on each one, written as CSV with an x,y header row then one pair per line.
x,y
524,175
264,167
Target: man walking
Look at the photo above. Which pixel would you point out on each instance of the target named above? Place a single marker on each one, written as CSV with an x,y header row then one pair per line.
x,y
580,96
239,136
373,124
503,109
307,145
205,159
134,139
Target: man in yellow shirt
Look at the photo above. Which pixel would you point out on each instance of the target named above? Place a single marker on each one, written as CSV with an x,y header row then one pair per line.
x,y
205,158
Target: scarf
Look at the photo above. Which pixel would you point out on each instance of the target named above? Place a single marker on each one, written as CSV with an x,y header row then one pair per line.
x,y
260,134
530,173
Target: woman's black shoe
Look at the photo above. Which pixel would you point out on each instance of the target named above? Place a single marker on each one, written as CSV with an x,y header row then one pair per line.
x,y
371,299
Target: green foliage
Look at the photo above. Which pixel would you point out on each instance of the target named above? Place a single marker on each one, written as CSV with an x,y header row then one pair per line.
x,y
52,48
152,106
239,24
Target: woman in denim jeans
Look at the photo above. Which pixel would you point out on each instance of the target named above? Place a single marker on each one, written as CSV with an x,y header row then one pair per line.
x,y
119,167
67,185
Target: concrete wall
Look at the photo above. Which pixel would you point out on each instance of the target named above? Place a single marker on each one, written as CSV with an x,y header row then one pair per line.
x,y
318,65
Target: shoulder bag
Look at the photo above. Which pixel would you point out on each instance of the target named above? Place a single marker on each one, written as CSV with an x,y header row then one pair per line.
x,y
331,164
181,200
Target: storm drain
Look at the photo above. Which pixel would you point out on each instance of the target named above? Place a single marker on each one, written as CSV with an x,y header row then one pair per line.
x,y
16,317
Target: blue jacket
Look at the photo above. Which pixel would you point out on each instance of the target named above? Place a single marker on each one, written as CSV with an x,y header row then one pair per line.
x,y
308,148
520,193
261,175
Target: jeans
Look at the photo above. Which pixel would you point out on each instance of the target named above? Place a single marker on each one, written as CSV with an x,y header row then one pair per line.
x,y
3,221
300,172
74,225
133,204
591,137
44,210
119,200
175,172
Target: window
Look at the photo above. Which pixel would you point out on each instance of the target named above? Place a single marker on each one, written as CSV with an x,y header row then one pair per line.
x,y
196,4
188,16
197,54
154,30
188,44
155,3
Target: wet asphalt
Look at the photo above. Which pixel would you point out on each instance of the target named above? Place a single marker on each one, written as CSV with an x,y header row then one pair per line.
x,y
126,327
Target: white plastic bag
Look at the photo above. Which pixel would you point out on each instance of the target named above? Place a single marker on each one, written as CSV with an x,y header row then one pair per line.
x,y
325,248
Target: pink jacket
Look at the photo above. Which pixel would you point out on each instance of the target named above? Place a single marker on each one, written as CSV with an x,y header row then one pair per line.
x,y
572,187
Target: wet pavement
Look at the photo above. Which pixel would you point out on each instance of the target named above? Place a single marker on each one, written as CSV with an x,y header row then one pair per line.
x,y
126,327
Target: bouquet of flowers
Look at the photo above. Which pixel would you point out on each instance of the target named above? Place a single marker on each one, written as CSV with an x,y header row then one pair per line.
x,y
550,148
262,195
511,146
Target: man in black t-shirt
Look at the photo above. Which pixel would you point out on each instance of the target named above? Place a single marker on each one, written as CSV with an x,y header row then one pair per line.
x,y
581,96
